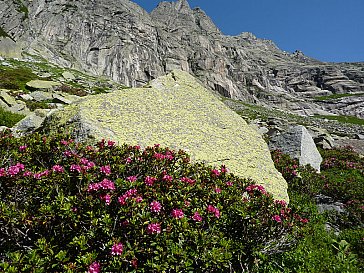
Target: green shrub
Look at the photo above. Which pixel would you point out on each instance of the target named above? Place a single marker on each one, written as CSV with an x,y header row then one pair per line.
x,y
320,250
68,207
8,118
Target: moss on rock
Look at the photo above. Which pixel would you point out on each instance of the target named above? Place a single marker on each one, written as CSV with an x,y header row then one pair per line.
x,y
178,112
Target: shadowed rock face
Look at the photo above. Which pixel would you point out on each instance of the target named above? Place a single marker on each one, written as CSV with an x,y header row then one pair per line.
x,y
178,112
121,40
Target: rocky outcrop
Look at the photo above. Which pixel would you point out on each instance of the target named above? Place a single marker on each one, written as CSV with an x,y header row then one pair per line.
x,y
121,40
178,112
298,143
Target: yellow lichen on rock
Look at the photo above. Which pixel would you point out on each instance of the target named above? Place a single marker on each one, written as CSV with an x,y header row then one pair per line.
x,y
178,112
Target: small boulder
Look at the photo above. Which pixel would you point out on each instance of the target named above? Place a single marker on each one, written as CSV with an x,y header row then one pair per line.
x,y
68,76
298,143
42,85
41,96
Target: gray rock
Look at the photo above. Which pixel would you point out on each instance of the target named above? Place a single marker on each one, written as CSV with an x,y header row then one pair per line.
x,y
61,99
177,112
41,96
42,85
326,203
298,143
31,122
26,97
68,76
5,97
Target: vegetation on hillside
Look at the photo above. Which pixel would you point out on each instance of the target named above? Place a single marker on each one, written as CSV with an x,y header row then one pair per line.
x,y
333,242
68,207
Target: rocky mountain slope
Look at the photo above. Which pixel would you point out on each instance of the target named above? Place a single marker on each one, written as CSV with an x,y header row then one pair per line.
x,y
121,40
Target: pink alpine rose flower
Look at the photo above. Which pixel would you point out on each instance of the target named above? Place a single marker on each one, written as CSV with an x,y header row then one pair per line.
x,y
197,217
154,228
177,213
167,178
138,199
117,249
149,181
215,173
107,184
188,180
106,198
95,267
57,169
277,218
110,143
214,210
75,168
23,148
132,178
105,170
155,206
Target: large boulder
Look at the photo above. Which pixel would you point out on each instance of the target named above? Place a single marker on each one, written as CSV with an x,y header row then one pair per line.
x,y
178,112
298,143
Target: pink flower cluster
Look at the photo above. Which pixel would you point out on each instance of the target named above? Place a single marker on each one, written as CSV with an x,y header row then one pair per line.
x,y
132,178
197,217
106,198
167,178
117,249
23,148
259,188
95,267
149,181
57,169
155,206
127,195
105,170
281,202
214,210
104,185
110,143
168,156
177,213
188,180
224,169
277,218
41,174
154,228
215,173
217,190
75,168
13,170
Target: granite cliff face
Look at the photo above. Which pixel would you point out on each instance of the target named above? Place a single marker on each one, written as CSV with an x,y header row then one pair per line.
x,y
121,40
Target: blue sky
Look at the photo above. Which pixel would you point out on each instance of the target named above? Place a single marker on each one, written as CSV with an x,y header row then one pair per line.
x,y
328,30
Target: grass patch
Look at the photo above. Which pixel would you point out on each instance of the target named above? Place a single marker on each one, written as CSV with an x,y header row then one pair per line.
x,y
32,105
337,96
15,78
342,119
8,118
